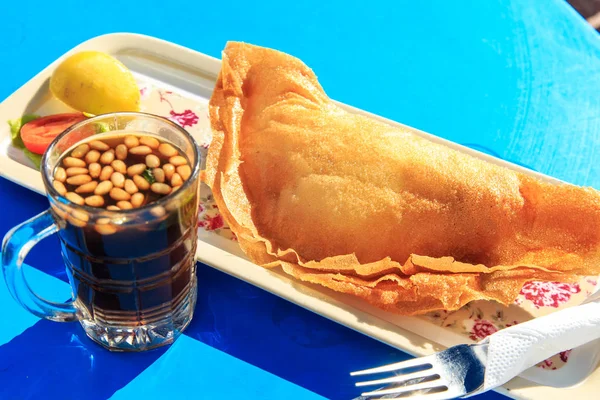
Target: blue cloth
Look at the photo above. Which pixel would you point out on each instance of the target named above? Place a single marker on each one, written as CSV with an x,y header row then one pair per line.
x,y
513,78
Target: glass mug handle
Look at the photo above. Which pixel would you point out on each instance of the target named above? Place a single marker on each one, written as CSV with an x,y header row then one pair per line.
x,y
17,243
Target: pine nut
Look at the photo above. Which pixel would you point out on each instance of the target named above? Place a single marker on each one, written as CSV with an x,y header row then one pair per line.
x,y
176,180
80,151
77,218
94,201
95,170
130,186
119,194
107,157
73,162
169,170
158,211
104,227
80,215
141,183
92,157
137,199
159,175
131,141
117,179
113,208
136,169
78,180
103,188
121,152
152,161
87,188
167,150
150,142
75,198
103,221
76,171
60,174
59,212
160,188
60,188
119,166
140,150
184,171
98,145
177,161
106,173
124,205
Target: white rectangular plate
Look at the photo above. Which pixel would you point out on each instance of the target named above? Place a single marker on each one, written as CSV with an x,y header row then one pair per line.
x,y
161,68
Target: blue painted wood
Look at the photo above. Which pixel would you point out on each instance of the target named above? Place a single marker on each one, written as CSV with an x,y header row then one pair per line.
x,y
513,78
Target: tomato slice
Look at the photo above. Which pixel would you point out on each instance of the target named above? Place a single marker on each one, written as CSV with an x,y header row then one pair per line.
x,y
39,133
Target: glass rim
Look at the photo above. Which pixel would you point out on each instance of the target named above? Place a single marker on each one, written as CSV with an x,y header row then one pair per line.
x,y
55,195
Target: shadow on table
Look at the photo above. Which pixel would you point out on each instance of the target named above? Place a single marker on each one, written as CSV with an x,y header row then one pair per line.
x,y
284,339
58,360
24,204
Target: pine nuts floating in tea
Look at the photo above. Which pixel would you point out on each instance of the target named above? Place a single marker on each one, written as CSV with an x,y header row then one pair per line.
x,y
121,172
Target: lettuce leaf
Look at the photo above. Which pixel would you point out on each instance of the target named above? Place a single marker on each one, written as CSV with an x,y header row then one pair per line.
x,y
15,128
35,158
15,135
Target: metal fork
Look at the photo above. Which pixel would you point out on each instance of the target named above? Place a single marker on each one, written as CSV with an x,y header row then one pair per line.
x,y
455,372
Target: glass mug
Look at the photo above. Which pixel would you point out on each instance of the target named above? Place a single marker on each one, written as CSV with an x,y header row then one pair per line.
x,y
132,272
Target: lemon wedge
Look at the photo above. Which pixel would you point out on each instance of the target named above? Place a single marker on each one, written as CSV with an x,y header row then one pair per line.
x,y
96,83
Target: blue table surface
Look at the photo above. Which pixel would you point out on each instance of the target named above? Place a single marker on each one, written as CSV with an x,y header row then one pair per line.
x,y
518,79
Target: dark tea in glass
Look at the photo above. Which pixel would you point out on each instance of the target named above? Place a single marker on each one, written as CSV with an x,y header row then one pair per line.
x,y
123,191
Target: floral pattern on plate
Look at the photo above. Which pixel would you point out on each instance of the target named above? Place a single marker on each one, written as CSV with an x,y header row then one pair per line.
x,y
189,114
479,319
209,217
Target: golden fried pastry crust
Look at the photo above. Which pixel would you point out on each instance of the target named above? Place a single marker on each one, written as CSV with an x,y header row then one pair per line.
x,y
373,210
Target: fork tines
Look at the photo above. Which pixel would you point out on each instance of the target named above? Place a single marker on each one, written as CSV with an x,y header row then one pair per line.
x,y
426,382
441,376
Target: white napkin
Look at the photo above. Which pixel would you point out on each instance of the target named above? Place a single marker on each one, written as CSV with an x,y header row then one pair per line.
x,y
519,347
